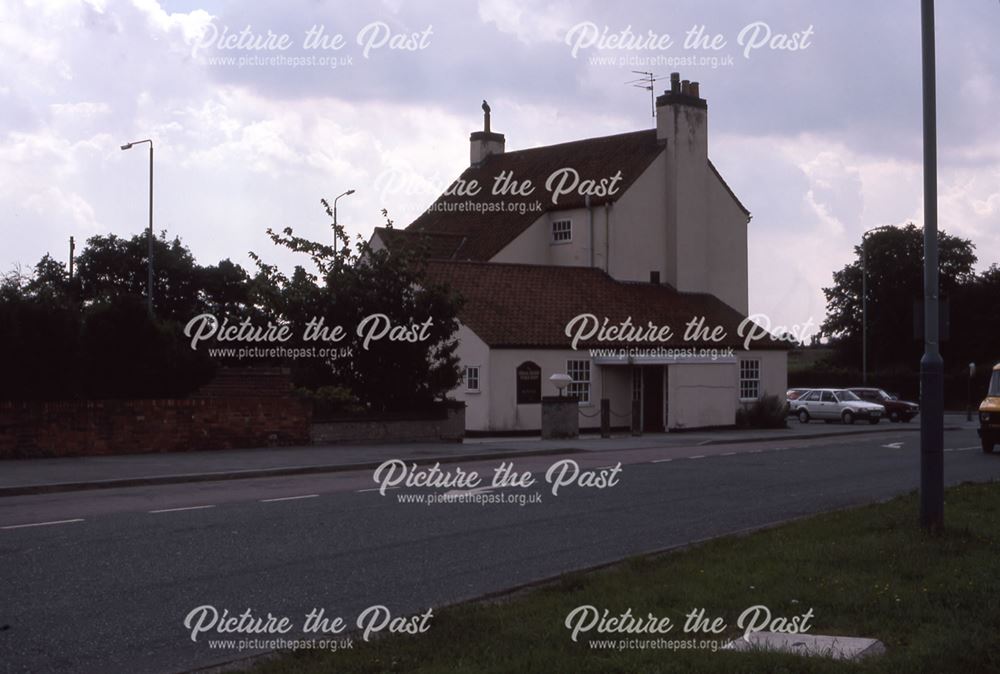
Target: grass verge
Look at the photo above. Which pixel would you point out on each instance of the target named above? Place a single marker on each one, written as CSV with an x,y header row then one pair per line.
x,y
870,571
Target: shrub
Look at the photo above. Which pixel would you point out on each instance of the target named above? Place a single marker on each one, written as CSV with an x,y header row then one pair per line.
x,y
770,411
331,402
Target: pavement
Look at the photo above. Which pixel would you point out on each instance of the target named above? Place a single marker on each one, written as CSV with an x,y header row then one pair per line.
x,y
36,476
101,580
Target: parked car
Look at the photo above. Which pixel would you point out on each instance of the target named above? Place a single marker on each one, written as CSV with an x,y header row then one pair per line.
x,y
791,395
831,404
989,413
897,410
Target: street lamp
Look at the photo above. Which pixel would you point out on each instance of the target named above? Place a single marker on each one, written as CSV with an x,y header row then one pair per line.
x,y
149,234
864,302
561,381
348,192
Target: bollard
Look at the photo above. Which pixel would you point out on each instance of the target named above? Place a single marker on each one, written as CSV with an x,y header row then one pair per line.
x,y
605,418
636,417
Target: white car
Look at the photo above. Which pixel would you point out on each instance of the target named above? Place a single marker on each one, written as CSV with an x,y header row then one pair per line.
x,y
832,404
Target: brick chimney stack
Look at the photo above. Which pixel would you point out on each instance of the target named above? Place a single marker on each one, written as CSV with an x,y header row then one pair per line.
x,y
484,143
682,122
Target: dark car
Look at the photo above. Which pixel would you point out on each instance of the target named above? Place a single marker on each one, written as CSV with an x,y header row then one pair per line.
x,y
896,409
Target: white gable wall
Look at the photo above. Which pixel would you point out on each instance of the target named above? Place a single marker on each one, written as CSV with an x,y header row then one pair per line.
x,y
698,246
639,236
727,246
472,351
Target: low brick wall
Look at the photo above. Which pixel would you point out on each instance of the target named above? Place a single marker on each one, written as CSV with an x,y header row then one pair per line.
x,y
94,427
448,427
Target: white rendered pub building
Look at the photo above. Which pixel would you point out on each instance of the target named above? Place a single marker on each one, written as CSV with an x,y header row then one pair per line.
x,y
637,230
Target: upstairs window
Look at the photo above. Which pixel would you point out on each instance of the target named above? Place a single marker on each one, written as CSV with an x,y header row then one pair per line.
x,y
562,231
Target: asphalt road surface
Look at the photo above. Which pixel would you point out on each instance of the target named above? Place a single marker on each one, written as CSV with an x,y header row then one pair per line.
x,y
101,581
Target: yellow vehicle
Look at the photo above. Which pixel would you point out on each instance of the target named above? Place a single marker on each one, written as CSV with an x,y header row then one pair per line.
x,y
989,413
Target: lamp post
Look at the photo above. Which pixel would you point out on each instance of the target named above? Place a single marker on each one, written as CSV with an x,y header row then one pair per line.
x,y
149,234
348,192
931,365
864,301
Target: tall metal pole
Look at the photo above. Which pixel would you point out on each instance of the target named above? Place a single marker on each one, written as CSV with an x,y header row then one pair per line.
x,y
149,281
149,232
864,310
931,365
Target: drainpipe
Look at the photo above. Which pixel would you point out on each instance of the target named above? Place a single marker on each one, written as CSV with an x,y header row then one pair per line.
x,y
607,238
590,218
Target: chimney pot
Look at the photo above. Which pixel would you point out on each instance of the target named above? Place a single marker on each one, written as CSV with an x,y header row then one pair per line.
x,y
694,89
685,87
675,83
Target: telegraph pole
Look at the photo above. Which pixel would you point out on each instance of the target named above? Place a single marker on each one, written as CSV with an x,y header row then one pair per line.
x,y
931,365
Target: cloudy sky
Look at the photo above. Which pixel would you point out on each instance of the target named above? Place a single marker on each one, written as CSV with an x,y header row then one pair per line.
x,y
820,143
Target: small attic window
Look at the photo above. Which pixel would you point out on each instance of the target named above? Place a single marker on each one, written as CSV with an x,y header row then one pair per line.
x,y
562,231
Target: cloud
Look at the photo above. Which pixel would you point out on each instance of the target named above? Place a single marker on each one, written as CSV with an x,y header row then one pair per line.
x,y
820,144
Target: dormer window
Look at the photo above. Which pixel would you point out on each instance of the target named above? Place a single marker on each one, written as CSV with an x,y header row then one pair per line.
x,y
562,231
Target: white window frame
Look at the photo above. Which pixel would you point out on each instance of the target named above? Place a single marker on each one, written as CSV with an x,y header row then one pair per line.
x,y
567,232
468,380
749,379
579,387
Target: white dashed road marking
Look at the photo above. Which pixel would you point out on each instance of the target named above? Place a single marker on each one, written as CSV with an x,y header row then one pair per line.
x,y
287,498
362,491
177,510
40,524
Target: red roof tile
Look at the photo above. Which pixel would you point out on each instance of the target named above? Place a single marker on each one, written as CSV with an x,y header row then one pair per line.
x,y
519,305
486,233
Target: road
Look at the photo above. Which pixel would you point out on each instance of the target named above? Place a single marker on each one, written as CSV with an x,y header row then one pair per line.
x,y
101,581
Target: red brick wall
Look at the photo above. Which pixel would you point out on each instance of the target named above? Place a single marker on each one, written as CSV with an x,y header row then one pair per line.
x,y
78,428
449,428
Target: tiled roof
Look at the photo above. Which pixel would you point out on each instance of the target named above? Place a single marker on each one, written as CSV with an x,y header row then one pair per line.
x,y
486,233
519,305
439,246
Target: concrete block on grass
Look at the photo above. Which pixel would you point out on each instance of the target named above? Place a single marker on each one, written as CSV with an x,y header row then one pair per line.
x,y
817,645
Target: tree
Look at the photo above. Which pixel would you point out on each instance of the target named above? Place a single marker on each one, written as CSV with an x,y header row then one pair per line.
x,y
91,336
111,267
350,285
895,282
975,321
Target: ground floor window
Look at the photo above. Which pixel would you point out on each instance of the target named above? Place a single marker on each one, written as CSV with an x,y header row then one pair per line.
x,y
472,378
579,370
749,379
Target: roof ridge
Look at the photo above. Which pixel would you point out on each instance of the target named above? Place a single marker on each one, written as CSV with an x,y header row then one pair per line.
x,y
519,264
573,142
